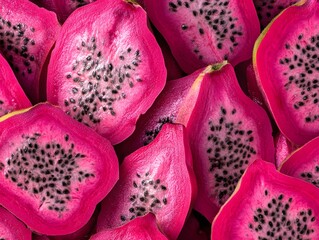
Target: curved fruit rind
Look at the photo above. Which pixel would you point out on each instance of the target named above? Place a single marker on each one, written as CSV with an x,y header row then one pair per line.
x,y
190,100
151,180
12,97
100,78
26,190
292,103
14,113
284,148
11,228
139,228
262,187
303,163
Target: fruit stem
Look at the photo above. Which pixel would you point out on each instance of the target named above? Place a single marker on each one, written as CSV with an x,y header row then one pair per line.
x,y
134,2
215,67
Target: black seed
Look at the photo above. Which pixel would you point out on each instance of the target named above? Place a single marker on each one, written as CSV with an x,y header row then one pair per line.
x,y
165,201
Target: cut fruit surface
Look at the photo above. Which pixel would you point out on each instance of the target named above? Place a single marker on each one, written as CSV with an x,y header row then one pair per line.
x,y
53,169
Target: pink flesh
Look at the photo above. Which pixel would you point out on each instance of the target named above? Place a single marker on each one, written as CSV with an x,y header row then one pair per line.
x,y
53,125
137,229
166,107
138,89
12,228
83,233
168,159
221,88
41,28
304,160
283,95
251,194
11,94
268,10
194,50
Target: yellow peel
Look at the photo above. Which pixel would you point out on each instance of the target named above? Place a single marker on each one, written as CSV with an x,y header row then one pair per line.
x,y
17,112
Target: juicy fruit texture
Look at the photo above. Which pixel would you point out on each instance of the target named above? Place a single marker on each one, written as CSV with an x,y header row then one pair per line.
x,y
156,178
269,205
304,163
11,228
84,232
97,76
27,34
12,96
203,32
53,169
268,10
164,110
63,8
283,148
291,86
137,229
225,137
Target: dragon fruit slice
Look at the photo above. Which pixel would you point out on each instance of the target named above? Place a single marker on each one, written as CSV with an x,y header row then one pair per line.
x,y
303,163
268,10
12,96
63,8
283,148
99,77
269,205
140,228
164,110
11,228
206,31
27,34
53,170
227,132
291,85
157,178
